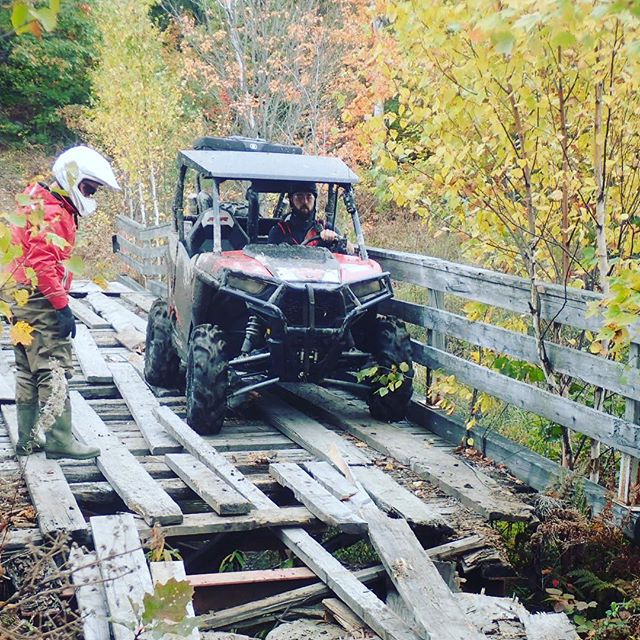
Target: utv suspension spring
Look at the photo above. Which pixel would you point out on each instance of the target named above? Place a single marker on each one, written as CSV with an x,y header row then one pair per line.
x,y
253,331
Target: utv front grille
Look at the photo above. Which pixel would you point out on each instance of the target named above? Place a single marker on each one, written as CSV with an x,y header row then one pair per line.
x,y
311,307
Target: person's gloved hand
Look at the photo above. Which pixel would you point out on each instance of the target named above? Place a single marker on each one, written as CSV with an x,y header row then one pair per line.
x,y
66,322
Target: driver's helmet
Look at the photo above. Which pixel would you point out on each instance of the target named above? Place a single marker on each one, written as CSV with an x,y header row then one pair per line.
x,y
81,163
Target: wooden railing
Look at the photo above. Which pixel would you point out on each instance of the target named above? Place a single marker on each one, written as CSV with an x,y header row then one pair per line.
x,y
563,306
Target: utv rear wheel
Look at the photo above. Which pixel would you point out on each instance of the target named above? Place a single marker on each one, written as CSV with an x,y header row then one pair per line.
x,y
392,346
207,379
161,361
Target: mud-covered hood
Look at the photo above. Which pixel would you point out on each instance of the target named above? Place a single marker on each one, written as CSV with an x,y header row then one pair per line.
x,y
295,263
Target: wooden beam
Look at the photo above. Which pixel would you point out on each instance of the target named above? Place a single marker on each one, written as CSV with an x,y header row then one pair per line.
x,y
89,357
142,403
56,508
363,602
475,489
123,568
88,317
138,490
120,317
617,433
196,524
90,594
307,432
140,231
223,498
317,499
233,578
615,376
425,593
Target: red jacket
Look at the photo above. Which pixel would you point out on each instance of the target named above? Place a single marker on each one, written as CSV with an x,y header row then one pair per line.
x,y
41,251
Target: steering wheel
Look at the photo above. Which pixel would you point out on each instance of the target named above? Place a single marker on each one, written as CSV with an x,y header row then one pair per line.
x,y
339,244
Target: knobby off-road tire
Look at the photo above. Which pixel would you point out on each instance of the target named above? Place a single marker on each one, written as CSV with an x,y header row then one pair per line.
x,y
161,361
207,379
392,346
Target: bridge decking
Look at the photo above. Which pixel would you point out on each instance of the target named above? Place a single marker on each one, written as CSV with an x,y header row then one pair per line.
x,y
285,467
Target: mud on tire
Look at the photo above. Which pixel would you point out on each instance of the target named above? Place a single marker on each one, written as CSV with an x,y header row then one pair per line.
x,y
207,379
392,345
161,361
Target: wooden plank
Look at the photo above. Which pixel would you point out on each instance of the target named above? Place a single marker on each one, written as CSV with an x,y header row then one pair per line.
x,y
18,539
141,403
88,317
436,612
224,499
90,594
565,305
55,505
233,578
307,432
363,602
456,547
393,497
161,573
118,316
140,252
331,479
89,357
123,569
281,601
196,524
140,231
84,287
472,487
617,433
348,620
138,490
144,268
316,498
621,378
143,301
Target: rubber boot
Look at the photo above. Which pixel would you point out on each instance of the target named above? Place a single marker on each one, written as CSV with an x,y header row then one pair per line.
x,y
61,443
28,442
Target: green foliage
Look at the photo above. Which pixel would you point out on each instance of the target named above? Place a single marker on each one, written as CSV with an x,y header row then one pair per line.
x,y
41,78
235,561
390,378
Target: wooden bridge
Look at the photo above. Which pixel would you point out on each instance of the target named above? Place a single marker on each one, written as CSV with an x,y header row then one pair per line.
x,y
306,469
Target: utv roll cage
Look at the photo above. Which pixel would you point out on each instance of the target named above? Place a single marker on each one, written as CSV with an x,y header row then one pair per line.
x,y
268,168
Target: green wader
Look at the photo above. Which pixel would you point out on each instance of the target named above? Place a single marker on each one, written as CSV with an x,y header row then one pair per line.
x,y
34,383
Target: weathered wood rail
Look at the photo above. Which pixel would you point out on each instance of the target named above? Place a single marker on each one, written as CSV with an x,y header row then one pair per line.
x,y
284,468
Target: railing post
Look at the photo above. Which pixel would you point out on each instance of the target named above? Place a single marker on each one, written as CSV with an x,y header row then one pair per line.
x,y
434,338
629,476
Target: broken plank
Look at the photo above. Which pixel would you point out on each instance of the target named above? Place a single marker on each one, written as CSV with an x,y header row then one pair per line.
x,y
224,499
457,547
161,573
363,602
348,620
393,497
307,432
195,524
141,403
90,594
316,498
87,316
89,357
432,604
281,601
123,568
473,488
229,578
138,490
331,479
119,316
55,505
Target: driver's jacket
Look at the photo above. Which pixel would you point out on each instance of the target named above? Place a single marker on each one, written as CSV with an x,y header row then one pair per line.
x,y
286,232
45,250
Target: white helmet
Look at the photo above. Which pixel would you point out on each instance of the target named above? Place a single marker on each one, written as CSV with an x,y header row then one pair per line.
x,y
81,163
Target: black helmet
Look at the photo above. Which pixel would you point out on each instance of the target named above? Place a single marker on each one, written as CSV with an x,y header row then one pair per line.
x,y
303,187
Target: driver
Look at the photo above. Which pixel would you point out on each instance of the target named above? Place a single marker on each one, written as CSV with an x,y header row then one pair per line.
x,y
301,224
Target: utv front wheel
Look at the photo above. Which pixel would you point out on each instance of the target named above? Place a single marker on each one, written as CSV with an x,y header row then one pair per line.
x,y
161,361
207,379
392,346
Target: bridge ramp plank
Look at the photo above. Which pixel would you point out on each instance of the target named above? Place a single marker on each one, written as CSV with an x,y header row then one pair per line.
x,y
87,316
89,357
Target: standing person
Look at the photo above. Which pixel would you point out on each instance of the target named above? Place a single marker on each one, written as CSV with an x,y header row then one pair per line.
x,y
47,240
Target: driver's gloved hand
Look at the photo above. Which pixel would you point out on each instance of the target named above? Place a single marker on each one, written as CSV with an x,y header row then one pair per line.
x,y
66,322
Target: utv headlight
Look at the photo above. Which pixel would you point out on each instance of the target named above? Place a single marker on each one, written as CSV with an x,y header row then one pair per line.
x,y
253,287
364,290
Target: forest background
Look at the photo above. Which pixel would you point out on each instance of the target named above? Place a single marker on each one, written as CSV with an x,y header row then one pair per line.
x,y
500,134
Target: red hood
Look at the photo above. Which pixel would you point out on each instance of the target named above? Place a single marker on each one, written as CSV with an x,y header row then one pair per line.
x,y
340,269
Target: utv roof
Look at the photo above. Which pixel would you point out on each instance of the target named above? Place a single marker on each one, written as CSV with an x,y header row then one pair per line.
x,y
242,165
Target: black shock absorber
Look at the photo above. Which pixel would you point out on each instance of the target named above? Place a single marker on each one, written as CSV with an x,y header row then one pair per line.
x,y
253,331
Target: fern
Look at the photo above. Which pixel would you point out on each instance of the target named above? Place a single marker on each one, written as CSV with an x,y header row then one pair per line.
x,y
589,582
